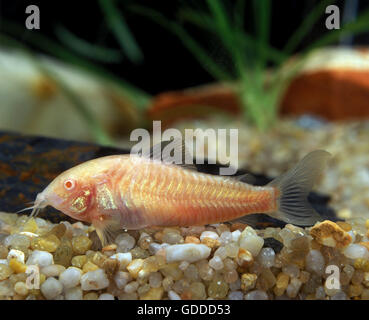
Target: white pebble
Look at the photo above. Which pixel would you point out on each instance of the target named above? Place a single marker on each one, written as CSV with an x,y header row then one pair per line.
x,y
235,295
106,296
4,261
51,288
356,251
17,254
155,279
236,235
21,288
225,237
124,258
53,270
94,280
121,279
154,247
209,234
315,262
172,295
73,294
256,295
235,285
221,252
216,263
40,258
293,288
125,242
41,223
250,241
71,277
292,270
183,265
266,257
131,287
187,252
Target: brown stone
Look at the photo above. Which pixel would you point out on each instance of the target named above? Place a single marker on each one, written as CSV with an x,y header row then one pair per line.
x,y
330,234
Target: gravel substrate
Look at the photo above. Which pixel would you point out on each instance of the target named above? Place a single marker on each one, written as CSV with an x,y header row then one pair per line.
x,y
214,262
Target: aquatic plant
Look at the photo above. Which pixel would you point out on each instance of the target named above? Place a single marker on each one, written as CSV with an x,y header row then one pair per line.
x,y
246,58
86,56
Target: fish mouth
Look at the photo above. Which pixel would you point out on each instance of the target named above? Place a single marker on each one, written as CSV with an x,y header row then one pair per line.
x,y
40,203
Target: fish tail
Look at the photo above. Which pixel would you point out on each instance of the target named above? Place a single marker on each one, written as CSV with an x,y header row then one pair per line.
x,y
293,187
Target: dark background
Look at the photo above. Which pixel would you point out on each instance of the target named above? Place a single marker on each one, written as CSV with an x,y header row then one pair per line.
x,y
167,64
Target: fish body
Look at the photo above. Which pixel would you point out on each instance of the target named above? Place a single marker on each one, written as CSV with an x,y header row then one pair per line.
x,y
153,193
132,192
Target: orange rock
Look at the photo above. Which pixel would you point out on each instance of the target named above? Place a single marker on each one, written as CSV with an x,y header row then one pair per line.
x,y
158,236
110,247
193,103
186,295
210,242
327,93
192,239
330,234
344,225
244,258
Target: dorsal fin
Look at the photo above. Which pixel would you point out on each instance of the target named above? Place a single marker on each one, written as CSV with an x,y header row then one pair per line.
x,y
246,178
173,152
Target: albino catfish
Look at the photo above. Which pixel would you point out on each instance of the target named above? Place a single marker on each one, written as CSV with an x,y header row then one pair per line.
x,y
133,192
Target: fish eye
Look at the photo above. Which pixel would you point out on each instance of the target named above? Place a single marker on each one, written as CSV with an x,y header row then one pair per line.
x,y
69,184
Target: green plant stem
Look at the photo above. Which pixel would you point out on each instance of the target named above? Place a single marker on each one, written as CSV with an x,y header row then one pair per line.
x,y
121,31
245,40
87,49
306,25
262,16
360,25
201,55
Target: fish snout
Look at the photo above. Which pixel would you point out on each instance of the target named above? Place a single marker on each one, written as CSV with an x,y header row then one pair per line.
x,y
41,201
44,199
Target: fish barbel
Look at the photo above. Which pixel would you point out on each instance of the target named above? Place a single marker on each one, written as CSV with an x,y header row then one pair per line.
x,y
132,192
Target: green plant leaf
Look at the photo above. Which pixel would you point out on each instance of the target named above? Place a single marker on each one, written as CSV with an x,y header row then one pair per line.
x,y
306,26
360,25
87,49
245,40
262,21
202,56
239,14
121,31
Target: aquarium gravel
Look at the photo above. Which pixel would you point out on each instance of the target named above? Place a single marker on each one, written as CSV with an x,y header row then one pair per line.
x,y
223,261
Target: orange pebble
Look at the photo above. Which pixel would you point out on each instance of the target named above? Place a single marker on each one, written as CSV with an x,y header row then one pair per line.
x,y
192,239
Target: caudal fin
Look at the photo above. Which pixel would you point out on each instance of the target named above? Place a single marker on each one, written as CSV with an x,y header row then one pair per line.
x,y
294,187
